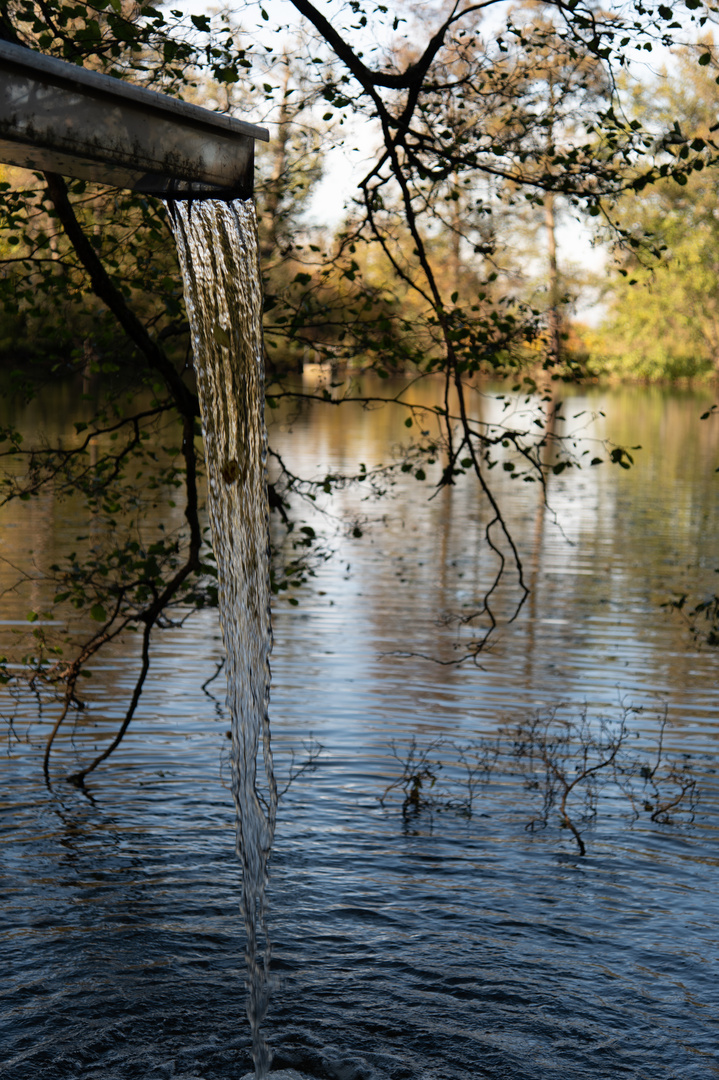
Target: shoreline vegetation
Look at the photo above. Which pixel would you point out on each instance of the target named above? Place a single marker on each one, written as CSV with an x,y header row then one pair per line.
x,y
587,369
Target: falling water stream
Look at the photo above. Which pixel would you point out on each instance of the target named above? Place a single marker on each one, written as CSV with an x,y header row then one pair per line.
x,y
217,246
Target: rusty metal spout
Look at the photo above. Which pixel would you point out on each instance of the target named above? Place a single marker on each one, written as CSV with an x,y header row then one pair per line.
x,y
57,117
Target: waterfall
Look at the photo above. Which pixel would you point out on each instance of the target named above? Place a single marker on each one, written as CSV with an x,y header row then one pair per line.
x,y
218,251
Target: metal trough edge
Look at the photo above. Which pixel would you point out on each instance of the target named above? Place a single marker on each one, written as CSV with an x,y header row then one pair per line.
x,y
58,117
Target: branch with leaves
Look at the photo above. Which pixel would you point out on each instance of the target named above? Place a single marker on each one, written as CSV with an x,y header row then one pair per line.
x,y
416,280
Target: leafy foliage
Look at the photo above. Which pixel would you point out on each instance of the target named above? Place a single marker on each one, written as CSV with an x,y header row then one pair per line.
x,y
463,127
663,319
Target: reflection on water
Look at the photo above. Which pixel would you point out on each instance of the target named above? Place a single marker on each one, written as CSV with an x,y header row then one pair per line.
x,y
461,946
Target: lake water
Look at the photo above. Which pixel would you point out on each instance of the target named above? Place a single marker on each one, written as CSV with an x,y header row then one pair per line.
x,y
435,945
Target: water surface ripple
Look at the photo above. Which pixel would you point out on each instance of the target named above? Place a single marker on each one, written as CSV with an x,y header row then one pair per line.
x,y
438,947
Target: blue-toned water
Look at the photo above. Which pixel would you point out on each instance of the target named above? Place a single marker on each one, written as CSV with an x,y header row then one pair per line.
x,y
431,945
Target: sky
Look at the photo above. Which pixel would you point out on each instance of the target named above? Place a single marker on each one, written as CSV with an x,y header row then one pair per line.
x,y
346,166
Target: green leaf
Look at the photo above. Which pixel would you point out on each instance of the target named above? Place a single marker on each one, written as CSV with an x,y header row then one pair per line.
x,y
98,613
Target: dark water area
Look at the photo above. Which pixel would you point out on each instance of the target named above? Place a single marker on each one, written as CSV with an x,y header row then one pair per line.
x,y
436,945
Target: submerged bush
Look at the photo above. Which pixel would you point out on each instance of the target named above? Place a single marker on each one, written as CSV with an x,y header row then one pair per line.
x,y
570,767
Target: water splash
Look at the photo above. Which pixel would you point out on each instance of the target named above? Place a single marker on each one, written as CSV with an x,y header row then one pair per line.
x,y
218,250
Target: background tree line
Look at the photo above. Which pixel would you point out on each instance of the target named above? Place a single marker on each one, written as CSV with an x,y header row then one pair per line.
x,y
662,318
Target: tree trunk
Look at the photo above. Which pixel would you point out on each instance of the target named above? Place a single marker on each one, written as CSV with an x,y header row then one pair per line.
x,y
554,336
276,186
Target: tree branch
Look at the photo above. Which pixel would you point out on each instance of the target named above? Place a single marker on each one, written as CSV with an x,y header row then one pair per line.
x,y
103,287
